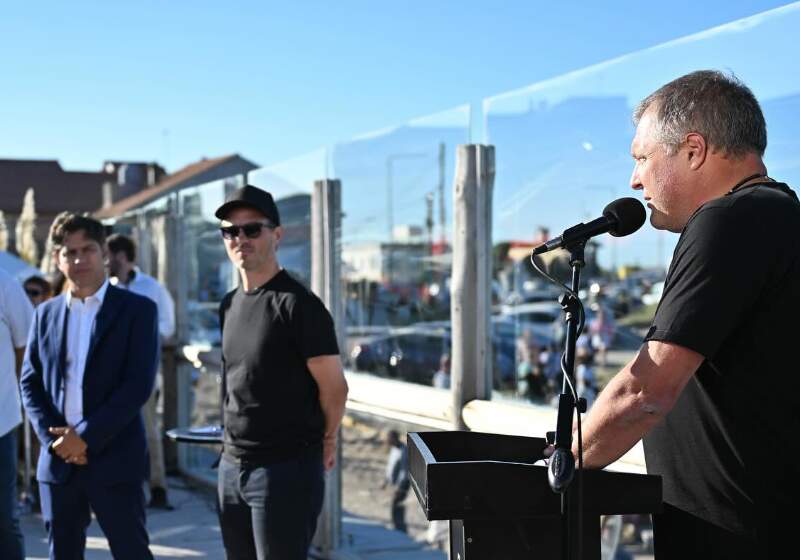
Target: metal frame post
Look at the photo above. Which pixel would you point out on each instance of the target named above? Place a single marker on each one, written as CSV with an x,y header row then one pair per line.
x,y
326,202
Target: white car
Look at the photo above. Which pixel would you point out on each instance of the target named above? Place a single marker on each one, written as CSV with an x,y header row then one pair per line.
x,y
543,318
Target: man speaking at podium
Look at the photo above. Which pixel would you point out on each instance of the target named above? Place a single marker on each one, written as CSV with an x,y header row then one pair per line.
x,y
713,390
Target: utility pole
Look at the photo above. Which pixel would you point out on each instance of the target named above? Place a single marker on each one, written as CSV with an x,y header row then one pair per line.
x,y
442,210
429,220
390,159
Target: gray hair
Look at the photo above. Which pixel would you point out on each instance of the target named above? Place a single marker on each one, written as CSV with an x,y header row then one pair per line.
x,y
716,105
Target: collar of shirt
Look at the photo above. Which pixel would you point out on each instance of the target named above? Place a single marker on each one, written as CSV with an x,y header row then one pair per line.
x,y
98,296
134,275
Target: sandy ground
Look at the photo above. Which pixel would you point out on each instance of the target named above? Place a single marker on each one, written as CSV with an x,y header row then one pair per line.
x,y
364,454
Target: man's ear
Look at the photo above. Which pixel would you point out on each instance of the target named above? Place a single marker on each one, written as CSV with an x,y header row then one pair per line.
x,y
696,150
278,233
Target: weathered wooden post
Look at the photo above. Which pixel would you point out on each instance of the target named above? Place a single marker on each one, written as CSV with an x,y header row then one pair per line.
x,y
470,302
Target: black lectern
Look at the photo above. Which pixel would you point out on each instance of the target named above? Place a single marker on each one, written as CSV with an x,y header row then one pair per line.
x,y
500,504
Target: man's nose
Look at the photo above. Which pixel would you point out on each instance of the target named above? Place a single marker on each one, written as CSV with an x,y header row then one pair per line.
x,y
635,183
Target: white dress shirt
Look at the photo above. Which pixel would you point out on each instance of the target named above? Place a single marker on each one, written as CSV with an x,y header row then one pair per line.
x,y
147,286
80,325
15,320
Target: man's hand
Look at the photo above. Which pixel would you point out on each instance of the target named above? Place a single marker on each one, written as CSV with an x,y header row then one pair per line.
x,y
69,446
329,452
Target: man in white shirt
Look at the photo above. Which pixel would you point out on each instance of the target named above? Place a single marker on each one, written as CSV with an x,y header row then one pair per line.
x,y
125,274
15,320
89,368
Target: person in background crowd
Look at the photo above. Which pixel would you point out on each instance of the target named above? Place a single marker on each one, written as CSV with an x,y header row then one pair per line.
x,y
713,390
38,289
15,320
441,379
585,377
602,329
126,275
284,392
397,478
89,368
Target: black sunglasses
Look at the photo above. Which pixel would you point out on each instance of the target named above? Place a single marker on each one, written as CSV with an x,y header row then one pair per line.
x,y
251,230
33,293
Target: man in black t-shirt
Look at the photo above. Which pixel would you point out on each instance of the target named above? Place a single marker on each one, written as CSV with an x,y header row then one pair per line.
x,y
713,389
284,393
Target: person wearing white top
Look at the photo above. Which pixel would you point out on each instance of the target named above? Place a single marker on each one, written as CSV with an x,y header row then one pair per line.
x,y
125,274
88,370
15,320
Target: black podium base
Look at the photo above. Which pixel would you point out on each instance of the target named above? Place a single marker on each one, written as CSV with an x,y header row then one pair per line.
x,y
520,539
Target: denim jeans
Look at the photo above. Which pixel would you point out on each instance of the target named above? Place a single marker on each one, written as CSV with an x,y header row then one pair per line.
x,y
12,545
269,512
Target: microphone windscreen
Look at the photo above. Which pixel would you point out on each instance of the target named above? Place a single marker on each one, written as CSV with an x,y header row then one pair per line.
x,y
627,213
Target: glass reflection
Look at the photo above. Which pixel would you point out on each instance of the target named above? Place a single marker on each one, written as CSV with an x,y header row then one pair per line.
x,y
562,150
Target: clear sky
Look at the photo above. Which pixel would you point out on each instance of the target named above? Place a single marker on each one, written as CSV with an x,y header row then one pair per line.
x,y
174,81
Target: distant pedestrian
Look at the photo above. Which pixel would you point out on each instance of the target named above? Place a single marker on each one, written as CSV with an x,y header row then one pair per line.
x,y
15,320
602,329
126,275
397,478
585,377
441,379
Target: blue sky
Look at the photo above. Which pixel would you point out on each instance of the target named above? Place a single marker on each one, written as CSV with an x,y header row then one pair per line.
x,y
175,81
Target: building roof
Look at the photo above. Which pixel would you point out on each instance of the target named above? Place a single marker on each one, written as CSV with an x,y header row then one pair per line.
x,y
54,189
166,185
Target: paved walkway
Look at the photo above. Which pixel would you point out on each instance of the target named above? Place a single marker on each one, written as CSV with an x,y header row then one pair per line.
x,y
192,531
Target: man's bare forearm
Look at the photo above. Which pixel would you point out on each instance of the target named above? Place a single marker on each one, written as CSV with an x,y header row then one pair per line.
x,y
333,406
635,400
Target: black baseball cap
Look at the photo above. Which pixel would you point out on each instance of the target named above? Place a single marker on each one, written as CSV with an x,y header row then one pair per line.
x,y
250,197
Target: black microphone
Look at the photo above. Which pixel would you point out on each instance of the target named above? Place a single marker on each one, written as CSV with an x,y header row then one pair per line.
x,y
621,217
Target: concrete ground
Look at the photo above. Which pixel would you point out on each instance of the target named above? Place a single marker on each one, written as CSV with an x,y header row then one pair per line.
x,y
191,530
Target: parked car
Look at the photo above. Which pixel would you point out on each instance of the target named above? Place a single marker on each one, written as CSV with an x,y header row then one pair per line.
x,y
544,318
413,353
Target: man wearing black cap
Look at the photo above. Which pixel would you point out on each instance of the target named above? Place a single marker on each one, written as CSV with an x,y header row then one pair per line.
x,y
284,392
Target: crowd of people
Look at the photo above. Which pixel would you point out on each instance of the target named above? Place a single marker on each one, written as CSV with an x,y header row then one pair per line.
x,y
539,372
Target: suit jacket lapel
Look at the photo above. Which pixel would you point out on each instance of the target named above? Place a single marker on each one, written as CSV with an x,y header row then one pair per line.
x,y
60,323
104,319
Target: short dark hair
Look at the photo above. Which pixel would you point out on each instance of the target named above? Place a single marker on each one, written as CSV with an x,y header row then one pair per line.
x,y
40,282
122,243
714,104
67,223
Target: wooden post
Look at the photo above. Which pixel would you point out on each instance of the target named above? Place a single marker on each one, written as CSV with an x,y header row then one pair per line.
x,y
326,283
471,277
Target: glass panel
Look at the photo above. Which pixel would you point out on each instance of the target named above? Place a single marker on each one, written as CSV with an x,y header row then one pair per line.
x,y
562,150
396,200
208,274
291,184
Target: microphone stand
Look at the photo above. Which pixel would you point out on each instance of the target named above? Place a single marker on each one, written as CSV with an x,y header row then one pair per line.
x,y
561,468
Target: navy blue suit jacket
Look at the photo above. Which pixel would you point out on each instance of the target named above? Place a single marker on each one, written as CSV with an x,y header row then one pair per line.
x,y
120,371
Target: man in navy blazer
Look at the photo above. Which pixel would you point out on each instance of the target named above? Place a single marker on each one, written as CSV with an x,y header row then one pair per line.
x,y
89,368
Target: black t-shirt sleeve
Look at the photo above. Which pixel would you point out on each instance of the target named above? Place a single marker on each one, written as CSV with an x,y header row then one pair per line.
x,y
314,328
712,283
